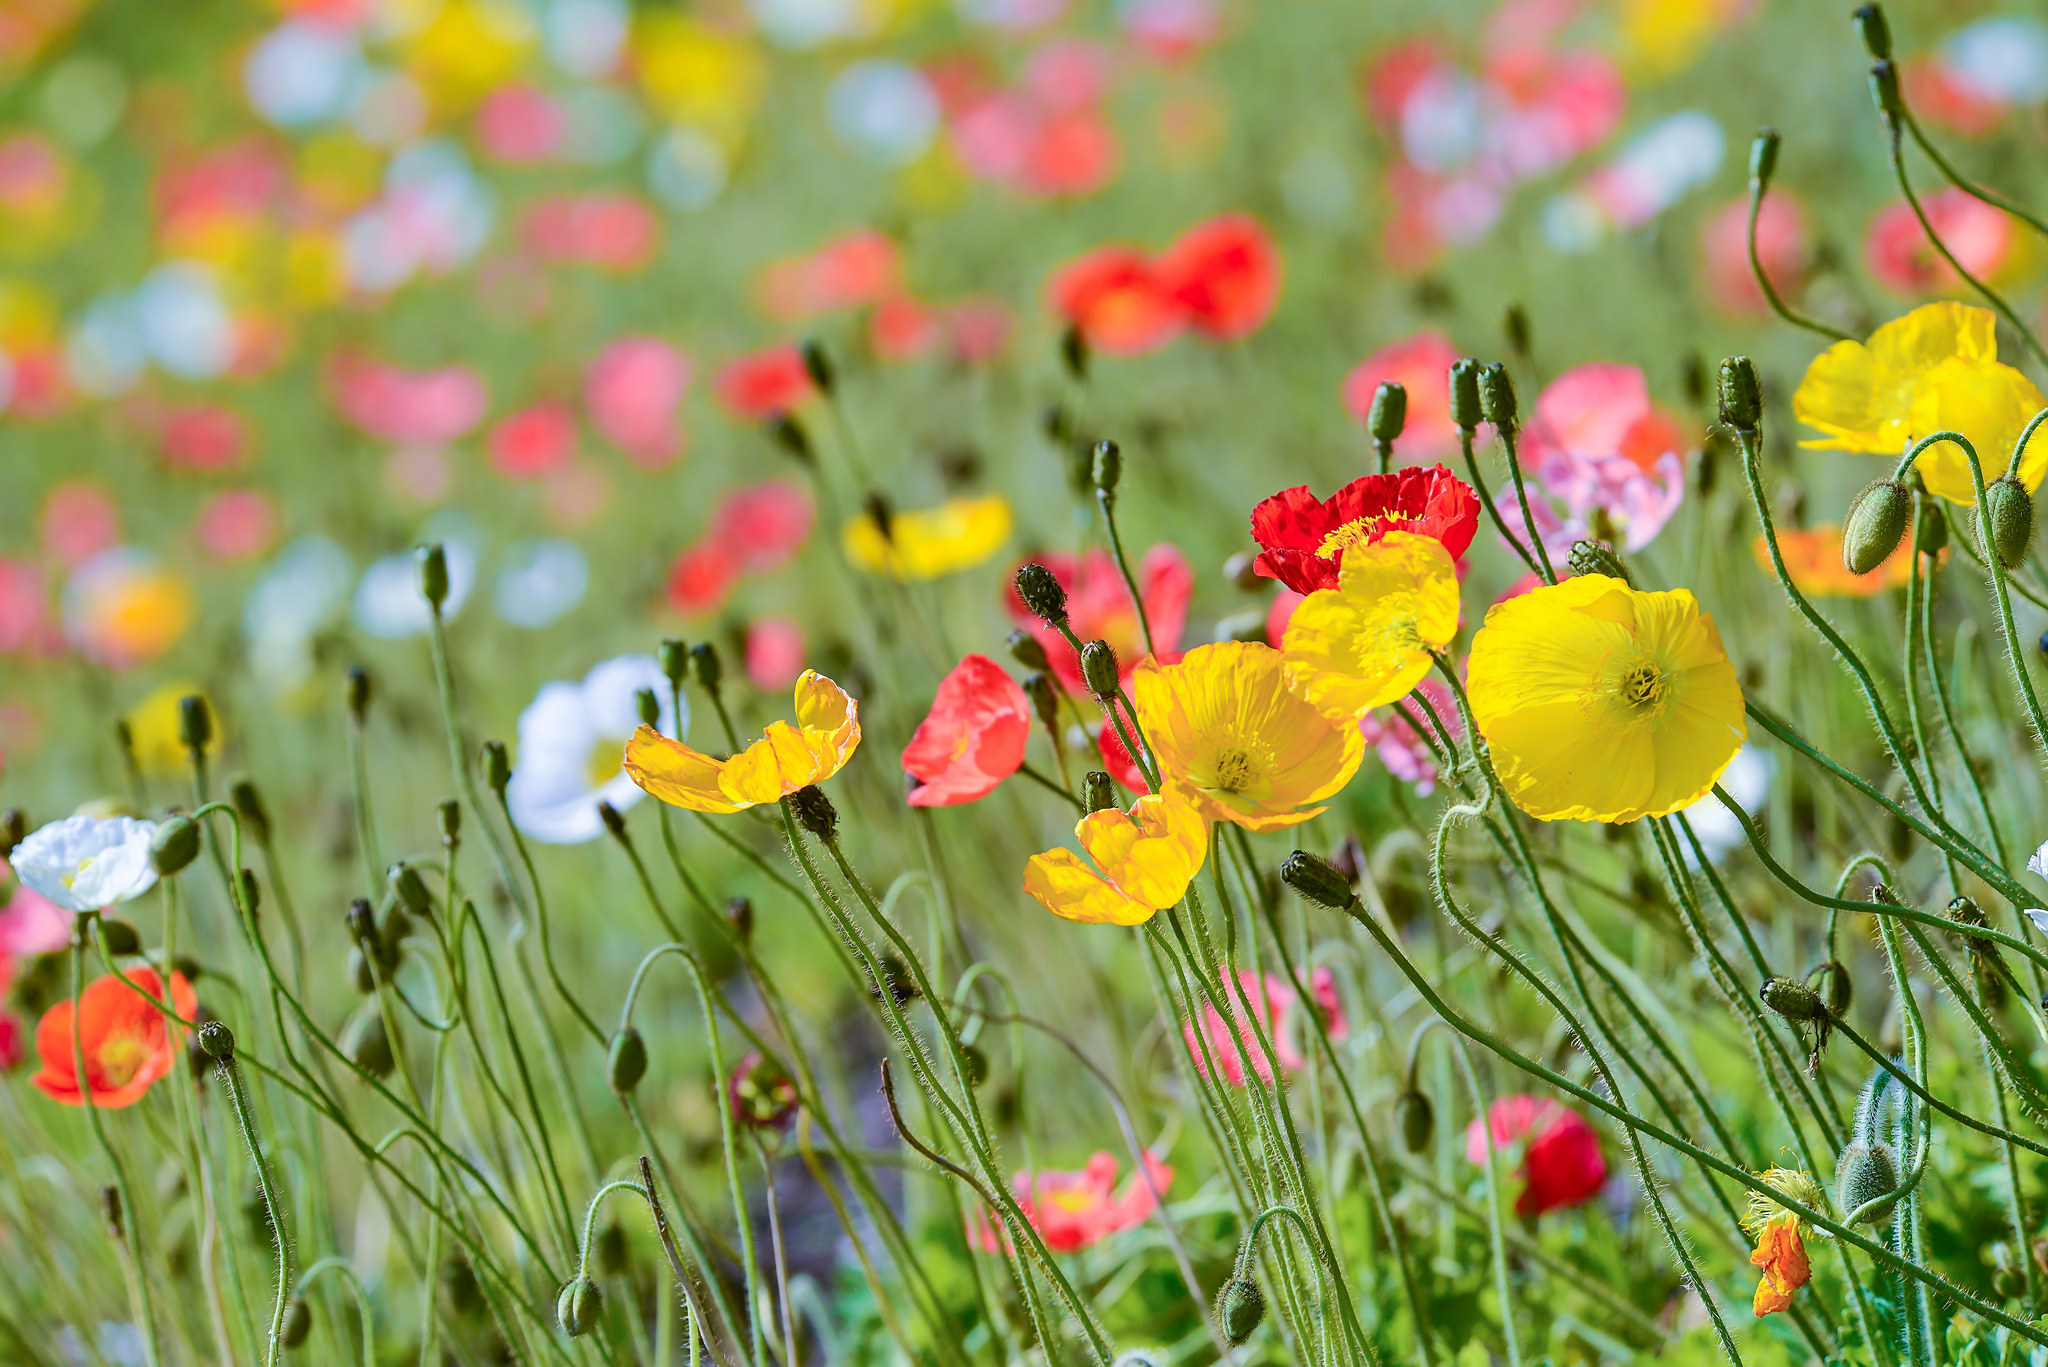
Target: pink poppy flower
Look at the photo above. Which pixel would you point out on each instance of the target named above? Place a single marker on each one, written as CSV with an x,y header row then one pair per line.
x,y
13,1042
1067,74
203,436
902,329
1076,1210
25,624
992,135
1284,604
1406,755
847,272
774,653
1598,447
79,521
765,384
1275,1006
534,441
30,923
409,408
1171,31
1421,365
1780,247
40,385
1897,252
763,525
1225,273
1099,607
633,390
614,232
519,125
977,329
972,739
1562,1165
237,524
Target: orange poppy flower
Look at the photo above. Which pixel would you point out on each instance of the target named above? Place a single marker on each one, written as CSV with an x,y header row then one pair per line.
x,y
1781,1254
128,1043
1813,557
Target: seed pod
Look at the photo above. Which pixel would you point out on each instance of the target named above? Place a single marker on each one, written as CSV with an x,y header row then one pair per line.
x,y
1026,650
1045,699
1107,467
1388,414
218,1041
1465,393
249,808
1793,999
1415,1119
2009,514
814,811
649,707
1873,30
578,1306
298,1323
411,892
497,766
1875,522
1763,157
174,846
626,1061
432,563
364,1041
1098,669
1591,557
1240,1306
120,937
1863,1173
195,723
1741,397
1497,396
1042,593
1098,792
1315,880
674,658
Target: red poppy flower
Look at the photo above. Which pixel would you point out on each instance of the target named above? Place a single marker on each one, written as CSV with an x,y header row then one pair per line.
x,y
1099,607
1120,303
1982,238
858,268
203,436
765,384
1561,1160
128,1043
700,578
1303,538
13,1047
1421,365
1074,1210
533,441
902,329
1117,761
763,525
1948,99
613,231
1070,153
1226,273
972,739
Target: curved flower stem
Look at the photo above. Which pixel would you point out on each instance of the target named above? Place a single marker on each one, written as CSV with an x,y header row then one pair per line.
x,y
1507,445
1948,719
245,1120
1757,191
1486,500
342,1268
1950,174
1916,589
1106,500
1042,781
1906,1227
540,913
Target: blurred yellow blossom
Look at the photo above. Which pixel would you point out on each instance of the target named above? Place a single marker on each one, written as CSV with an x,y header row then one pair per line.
x,y
926,543
155,724
467,50
697,75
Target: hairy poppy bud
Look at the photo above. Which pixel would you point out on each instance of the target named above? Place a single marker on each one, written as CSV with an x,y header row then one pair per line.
x,y
1930,528
458,1279
1026,650
1241,572
432,563
1873,30
1108,466
614,824
497,766
13,830
674,658
298,1323
119,938
1098,791
1591,557
1874,524
704,656
411,892
1465,393
355,692
1045,699
251,894
1884,91
448,817
818,365
1793,999
1098,669
814,811
902,987
249,808
789,434
1831,982
626,1060
1315,880
1389,412
1863,1173
1497,396
2008,513
1074,352
364,1041
218,1041
2006,1277
1415,1120
1741,396
1763,157
1042,593
1240,1306
195,723
739,914
578,1306
174,846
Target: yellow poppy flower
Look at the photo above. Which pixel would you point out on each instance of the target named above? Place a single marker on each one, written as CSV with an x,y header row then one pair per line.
x,y
1603,703
467,50
1146,858
1250,748
1367,642
786,758
696,74
155,725
926,543
1936,368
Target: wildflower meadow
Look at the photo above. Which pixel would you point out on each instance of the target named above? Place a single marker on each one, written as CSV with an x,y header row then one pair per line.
x,y
1088,683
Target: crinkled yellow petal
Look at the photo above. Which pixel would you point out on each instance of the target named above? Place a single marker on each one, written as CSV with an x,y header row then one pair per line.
x,y
1067,887
831,721
1846,394
926,543
1932,334
1366,643
1989,404
676,774
1157,869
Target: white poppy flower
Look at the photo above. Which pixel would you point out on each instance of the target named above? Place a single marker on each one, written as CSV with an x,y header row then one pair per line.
x,y
83,863
1748,780
2039,863
572,741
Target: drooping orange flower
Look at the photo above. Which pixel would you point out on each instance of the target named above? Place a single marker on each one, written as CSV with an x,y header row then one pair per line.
x,y
128,1043
1813,557
786,758
1781,1255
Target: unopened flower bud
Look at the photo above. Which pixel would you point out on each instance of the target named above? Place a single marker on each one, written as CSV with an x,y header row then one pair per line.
x,y
1763,157
1414,1120
250,893
1874,31
674,658
412,893
110,1212
298,1323
119,938
704,656
881,514
1249,625
1241,572
1741,397
614,824
1074,353
1863,1173
362,922
739,914
1045,699
1884,91
1465,393
364,1041
1497,396
13,830
1315,880
1930,528
1389,412
355,692
1027,650
1042,593
1240,1306
1831,982
1592,557
814,811
218,1041
432,563
789,434
648,707
458,1279
2009,514
1348,859
1874,525
497,766
195,723
1098,668
1107,467
174,846
448,818
2008,1280
818,365
902,987
626,1061
1793,1000
578,1307
362,975
249,808
1098,792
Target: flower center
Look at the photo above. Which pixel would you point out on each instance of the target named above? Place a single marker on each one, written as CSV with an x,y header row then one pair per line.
x,y
1641,685
118,1059
1360,531
1233,770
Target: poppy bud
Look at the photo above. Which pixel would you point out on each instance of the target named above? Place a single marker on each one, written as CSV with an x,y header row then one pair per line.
x,y
611,1249
1348,859
355,692
432,563
789,434
626,1061
1793,1000
814,811
497,766
448,817
1042,593
13,830
881,514
252,898
218,1041
1497,396
1389,412
1763,157
364,1041
614,824
1240,1306
1884,91
1074,353
1831,983
1514,325
704,656
1873,30
195,723
249,808
674,658
2009,514
1098,792
1865,1172
901,986
739,914
1098,669
1242,626
1054,422
818,365
174,846
1591,557
1930,528
1465,393
2008,1280
1415,1119
411,892
1108,466
1874,524
362,924
1240,572
1026,650
110,1212
1315,880
977,1064
298,1323
361,975
1045,699
1741,397
119,938
648,707
578,1306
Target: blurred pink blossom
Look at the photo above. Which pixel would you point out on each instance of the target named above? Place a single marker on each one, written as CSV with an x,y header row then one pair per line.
x,y
79,521
854,269
775,653
534,441
1275,1006
203,436
1406,755
413,408
519,125
1598,447
237,524
615,232
633,390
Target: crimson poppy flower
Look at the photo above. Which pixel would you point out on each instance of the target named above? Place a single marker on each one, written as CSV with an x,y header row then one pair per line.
x,y
1118,300
1562,1164
1072,153
533,441
765,384
128,1043
1075,1210
1226,273
1422,366
1982,238
701,577
1099,607
972,739
1303,538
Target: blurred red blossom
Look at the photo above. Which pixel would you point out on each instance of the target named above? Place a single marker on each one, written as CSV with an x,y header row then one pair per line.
x,y
633,390
765,384
1117,761
774,653
753,530
203,436
533,441
79,521
237,524
1225,273
972,739
615,231
519,125
858,268
1562,1165
1099,607
1421,365
13,1042
1118,300
411,408
1982,238
25,624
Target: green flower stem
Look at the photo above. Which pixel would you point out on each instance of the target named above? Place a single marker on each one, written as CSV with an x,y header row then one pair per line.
x,y
1507,446
1496,1220
1140,750
1106,500
1964,540
231,1082
1949,173
540,914
1910,660
724,1330
1042,781
341,1268
1757,191
1949,724
1906,1225
1500,523
359,789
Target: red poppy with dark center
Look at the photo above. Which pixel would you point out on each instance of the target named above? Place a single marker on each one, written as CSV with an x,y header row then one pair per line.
x,y
1099,607
765,384
128,1044
1302,538
1116,298
972,739
1561,1160
1226,273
